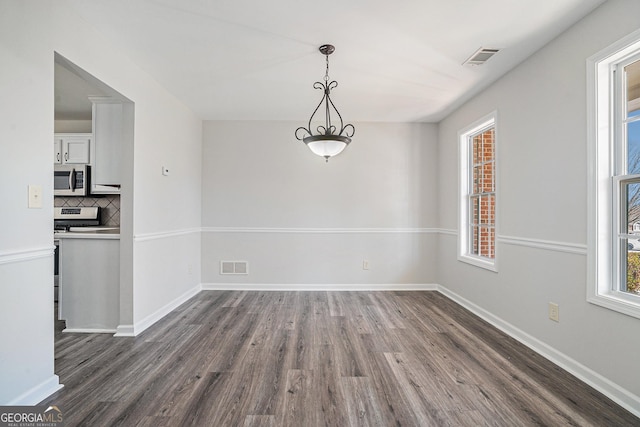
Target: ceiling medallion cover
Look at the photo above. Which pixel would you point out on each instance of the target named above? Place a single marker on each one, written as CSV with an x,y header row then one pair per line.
x,y
329,141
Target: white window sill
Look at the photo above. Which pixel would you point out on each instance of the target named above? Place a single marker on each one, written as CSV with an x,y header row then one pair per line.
x,y
486,263
618,301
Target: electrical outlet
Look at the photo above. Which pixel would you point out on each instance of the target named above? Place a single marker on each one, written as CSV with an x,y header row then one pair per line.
x,y
365,264
554,312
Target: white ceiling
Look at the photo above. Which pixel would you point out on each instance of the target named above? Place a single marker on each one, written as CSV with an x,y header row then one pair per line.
x,y
394,61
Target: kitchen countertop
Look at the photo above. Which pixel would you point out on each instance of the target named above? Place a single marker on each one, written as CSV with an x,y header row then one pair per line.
x,y
88,233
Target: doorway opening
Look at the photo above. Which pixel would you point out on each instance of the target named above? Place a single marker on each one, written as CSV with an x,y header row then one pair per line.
x,y
93,132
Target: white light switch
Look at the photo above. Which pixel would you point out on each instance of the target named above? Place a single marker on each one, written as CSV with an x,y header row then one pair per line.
x,y
165,171
35,197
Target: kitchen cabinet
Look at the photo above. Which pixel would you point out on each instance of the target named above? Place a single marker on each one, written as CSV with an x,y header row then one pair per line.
x,y
72,148
106,156
89,281
57,150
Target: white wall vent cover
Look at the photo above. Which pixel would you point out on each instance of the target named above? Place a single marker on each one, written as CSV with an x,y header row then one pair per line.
x,y
234,267
480,56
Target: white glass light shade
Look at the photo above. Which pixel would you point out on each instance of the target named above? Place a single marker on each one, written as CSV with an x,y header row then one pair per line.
x,y
327,145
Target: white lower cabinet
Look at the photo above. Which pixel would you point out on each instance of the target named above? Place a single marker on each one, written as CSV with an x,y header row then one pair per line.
x,y
89,277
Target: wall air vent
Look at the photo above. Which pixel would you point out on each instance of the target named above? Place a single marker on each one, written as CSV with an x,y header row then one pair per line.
x,y
480,56
234,267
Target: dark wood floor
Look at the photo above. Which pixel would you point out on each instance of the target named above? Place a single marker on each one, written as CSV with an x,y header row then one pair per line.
x,y
319,358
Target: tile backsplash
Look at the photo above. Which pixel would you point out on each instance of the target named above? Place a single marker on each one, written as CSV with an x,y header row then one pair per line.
x,y
110,205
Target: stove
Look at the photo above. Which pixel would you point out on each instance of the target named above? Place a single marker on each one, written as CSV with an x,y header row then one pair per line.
x,y
64,218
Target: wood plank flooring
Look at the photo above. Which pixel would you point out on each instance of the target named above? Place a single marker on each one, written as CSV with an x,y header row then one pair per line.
x,y
229,358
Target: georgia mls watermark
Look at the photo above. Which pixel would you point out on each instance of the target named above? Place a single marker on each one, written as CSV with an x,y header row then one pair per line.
x,y
31,416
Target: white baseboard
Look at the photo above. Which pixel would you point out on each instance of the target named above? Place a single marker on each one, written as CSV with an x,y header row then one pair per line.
x,y
88,331
124,331
38,393
317,287
621,396
139,327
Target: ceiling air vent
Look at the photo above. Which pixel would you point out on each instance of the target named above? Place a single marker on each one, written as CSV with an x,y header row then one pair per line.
x,y
480,56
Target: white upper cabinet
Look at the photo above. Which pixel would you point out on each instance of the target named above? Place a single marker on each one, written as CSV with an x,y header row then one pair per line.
x,y
106,156
73,148
57,150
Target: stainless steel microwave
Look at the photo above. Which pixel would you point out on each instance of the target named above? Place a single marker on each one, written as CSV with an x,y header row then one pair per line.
x,y
70,180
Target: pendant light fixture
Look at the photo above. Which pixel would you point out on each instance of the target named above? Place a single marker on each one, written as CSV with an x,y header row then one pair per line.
x,y
329,140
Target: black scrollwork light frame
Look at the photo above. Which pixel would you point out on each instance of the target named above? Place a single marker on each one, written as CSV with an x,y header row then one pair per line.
x,y
327,132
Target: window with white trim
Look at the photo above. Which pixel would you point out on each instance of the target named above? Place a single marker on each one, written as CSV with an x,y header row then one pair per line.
x,y
477,204
614,192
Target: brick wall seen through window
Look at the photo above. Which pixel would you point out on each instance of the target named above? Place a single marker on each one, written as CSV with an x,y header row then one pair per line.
x,y
482,198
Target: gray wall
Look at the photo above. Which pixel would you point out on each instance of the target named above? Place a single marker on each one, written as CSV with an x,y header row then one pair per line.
x,y
26,244
298,220
542,207
166,133
160,215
